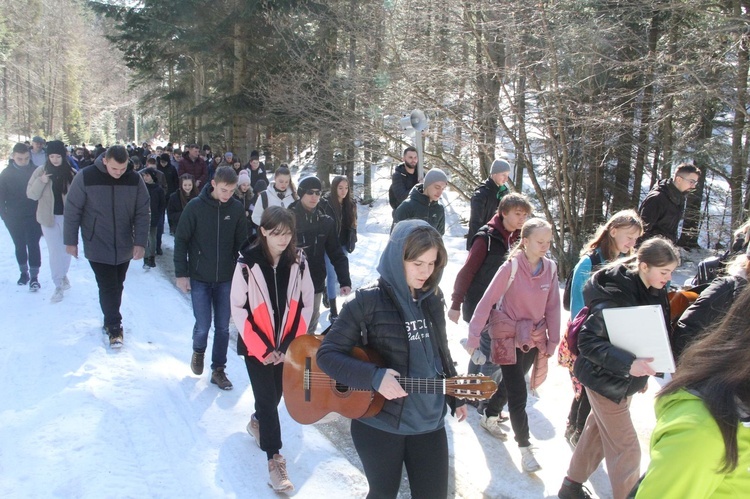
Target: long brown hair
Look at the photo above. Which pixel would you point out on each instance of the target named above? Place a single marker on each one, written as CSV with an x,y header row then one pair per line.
x,y
420,240
717,365
276,219
602,239
348,209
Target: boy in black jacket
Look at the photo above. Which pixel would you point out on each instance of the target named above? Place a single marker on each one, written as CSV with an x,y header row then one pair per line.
x,y
211,231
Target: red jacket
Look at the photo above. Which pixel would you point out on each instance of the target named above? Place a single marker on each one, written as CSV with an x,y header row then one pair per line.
x,y
197,169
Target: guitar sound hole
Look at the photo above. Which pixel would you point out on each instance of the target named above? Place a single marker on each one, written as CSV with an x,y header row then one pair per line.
x,y
341,388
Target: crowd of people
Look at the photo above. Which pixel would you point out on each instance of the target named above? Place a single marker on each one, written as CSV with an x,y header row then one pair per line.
x,y
269,254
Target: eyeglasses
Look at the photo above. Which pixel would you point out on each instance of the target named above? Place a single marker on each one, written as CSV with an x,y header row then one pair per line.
x,y
690,181
313,192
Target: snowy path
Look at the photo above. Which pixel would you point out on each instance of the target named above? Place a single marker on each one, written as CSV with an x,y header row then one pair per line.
x,y
78,420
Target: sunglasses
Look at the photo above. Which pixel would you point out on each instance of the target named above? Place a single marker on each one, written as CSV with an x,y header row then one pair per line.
x,y
313,192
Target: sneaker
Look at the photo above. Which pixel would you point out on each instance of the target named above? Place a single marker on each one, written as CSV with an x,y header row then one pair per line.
x,y
253,428
528,461
115,336
24,279
219,378
65,284
277,477
492,425
57,295
573,490
152,262
196,363
34,284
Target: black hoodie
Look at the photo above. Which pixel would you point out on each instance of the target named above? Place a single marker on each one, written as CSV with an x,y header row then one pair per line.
x,y
601,366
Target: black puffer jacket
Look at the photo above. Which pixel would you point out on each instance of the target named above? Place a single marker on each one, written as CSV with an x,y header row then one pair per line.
x,y
209,237
662,211
708,310
401,185
601,366
316,234
484,204
374,318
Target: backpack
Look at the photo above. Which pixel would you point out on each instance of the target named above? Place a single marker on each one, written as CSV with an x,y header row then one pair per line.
x,y
596,260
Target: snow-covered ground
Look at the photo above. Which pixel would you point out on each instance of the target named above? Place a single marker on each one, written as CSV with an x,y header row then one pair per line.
x,y
80,420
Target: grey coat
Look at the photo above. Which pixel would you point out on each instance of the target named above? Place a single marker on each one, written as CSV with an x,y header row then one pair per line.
x,y
113,214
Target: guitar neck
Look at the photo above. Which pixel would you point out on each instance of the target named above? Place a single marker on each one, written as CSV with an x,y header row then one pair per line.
x,y
423,385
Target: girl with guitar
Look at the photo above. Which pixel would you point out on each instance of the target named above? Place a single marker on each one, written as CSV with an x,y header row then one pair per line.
x,y
400,317
272,297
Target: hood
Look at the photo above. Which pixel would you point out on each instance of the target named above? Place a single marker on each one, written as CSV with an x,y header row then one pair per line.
x,y
252,254
206,197
418,195
496,224
673,193
391,266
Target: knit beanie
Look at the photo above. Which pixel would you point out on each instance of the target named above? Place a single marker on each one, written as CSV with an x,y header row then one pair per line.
x,y
260,186
243,178
56,147
165,157
500,166
308,183
434,175
254,155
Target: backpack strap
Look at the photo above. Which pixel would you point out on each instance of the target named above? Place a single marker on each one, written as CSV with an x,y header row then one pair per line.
x,y
264,199
513,269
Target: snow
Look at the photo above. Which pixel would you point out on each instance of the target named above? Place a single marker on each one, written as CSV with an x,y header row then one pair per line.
x,y
80,420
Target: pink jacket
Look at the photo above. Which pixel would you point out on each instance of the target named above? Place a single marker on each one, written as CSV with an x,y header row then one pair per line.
x,y
529,303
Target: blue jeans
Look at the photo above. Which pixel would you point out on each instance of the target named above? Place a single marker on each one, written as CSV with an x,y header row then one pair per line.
x,y
206,295
332,287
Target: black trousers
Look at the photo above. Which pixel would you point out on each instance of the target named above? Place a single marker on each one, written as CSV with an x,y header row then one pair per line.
x,y
266,381
26,235
515,384
110,279
383,454
579,411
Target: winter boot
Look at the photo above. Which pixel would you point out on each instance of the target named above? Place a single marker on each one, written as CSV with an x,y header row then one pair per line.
x,y
277,477
253,428
115,335
196,363
219,378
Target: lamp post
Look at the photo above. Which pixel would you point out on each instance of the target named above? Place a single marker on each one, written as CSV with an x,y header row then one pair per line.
x,y
413,125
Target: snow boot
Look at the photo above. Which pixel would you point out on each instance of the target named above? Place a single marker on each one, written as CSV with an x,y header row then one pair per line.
x,y
196,363
277,476
115,335
219,378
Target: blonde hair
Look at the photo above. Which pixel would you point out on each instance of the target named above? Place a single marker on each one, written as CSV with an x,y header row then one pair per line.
x,y
528,228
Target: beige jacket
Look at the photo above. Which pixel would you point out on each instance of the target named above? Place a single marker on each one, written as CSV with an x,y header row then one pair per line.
x,y
40,191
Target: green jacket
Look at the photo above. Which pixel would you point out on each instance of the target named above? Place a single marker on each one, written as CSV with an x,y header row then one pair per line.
x,y
687,451
418,206
209,237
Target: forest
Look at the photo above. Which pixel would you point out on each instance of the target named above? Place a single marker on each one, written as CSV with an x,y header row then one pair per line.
x,y
593,101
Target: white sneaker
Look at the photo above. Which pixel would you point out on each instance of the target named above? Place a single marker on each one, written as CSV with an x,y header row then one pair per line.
x,y
65,284
57,295
492,425
277,477
253,428
528,461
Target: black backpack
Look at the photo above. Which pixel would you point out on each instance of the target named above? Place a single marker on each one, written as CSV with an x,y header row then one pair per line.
x,y
596,261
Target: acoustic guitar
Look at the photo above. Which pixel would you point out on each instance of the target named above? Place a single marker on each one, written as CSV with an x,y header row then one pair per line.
x,y
310,394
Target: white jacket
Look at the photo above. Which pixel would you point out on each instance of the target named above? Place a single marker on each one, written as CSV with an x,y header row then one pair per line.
x,y
270,197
